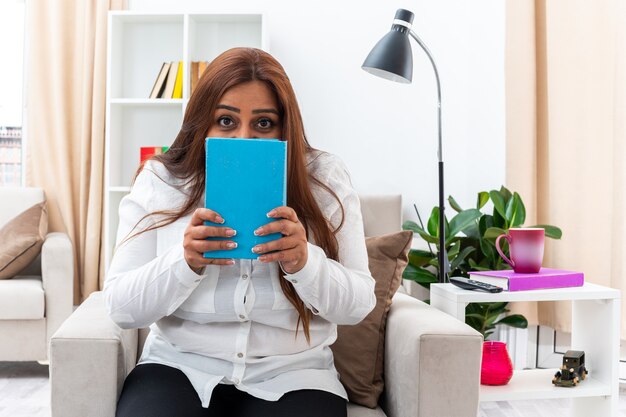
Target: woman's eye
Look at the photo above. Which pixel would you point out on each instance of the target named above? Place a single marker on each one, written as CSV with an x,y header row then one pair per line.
x,y
265,123
225,121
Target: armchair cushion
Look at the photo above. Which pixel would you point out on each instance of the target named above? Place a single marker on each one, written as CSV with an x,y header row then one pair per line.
x,y
21,240
359,349
21,298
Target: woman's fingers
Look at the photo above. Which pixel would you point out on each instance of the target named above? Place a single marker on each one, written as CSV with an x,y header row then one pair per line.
x,y
195,243
276,245
202,246
202,232
200,215
284,212
284,227
290,256
198,261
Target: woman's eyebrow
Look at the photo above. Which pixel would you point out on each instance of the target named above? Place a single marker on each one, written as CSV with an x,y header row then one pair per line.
x,y
265,111
231,108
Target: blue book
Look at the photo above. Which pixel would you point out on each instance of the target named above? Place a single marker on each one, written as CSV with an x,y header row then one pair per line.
x,y
245,179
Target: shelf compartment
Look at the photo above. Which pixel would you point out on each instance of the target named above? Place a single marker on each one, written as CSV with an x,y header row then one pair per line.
x,y
537,384
135,126
139,46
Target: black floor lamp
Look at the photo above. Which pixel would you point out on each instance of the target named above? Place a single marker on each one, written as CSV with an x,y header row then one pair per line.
x,y
392,59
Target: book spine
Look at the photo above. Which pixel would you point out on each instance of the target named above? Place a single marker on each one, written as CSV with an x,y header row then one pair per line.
x,y
547,282
194,76
178,84
285,176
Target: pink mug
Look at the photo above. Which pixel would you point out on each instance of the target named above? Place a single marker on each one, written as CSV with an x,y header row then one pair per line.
x,y
526,249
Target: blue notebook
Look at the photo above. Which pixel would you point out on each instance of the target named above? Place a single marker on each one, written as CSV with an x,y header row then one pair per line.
x,y
245,179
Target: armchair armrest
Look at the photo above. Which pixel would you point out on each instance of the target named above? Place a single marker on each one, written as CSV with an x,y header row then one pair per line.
x,y
57,276
89,358
432,362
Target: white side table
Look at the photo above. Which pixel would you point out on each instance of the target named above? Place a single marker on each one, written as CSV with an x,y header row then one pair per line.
x,y
595,330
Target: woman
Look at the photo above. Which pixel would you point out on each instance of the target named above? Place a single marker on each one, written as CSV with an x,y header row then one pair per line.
x,y
238,337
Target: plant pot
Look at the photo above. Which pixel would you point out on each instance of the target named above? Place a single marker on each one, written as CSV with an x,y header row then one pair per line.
x,y
496,368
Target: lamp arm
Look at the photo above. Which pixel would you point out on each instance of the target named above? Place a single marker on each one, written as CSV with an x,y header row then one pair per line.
x,y
432,61
444,264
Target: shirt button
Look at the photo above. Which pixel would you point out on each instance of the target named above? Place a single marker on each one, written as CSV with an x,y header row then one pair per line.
x,y
240,355
197,280
244,276
295,281
242,317
236,381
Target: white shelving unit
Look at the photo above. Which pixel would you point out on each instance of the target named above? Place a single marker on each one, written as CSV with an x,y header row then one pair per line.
x,y
595,330
138,44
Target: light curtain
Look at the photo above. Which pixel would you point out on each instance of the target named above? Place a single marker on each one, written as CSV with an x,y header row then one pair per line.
x,y
566,134
65,114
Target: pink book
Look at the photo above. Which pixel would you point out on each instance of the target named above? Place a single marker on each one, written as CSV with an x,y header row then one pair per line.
x,y
544,279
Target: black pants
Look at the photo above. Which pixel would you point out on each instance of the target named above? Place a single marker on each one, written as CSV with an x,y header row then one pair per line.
x,y
154,390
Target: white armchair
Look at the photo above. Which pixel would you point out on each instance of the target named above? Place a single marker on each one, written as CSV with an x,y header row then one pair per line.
x,y
432,360
34,303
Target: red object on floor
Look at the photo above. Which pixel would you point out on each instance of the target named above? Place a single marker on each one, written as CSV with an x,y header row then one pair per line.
x,y
497,368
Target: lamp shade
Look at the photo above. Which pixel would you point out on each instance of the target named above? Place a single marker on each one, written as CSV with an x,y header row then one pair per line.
x,y
392,58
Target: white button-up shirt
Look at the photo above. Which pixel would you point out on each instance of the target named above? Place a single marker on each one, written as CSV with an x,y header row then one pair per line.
x,y
233,324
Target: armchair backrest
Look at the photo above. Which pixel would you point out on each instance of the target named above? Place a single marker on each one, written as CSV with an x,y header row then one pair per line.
x,y
17,199
382,213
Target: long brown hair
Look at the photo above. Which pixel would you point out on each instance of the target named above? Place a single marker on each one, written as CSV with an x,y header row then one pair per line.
x,y
185,158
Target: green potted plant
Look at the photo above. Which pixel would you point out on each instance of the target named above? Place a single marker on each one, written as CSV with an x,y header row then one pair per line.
x,y
470,243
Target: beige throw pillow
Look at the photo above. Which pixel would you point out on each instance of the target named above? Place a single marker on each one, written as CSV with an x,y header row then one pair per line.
x,y
360,349
21,240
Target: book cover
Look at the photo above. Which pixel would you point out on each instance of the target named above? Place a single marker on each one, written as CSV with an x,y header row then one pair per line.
x,y
202,67
194,75
171,80
159,83
544,279
245,179
178,83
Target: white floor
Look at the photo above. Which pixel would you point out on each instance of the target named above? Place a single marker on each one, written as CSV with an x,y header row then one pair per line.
x,y
25,392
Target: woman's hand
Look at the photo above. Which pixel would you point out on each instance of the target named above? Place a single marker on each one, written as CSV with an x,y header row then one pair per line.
x,y
195,243
291,249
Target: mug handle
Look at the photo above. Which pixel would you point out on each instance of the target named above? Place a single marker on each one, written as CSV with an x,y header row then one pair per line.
x,y
508,239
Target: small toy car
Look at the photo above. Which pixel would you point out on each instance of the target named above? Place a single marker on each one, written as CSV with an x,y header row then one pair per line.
x,y
572,371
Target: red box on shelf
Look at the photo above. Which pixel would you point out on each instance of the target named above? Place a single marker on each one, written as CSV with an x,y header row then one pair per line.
x,y
148,151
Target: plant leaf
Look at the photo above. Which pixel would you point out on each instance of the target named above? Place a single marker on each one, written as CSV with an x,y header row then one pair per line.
x,y
433,222
515,211
499,221
421,276
454,204
552,232
475,315
428,238
514,320
505,193
497,307
498,203
456,262
485,223
454,250
419,257
472,230
411,225
493,233
488,250
510,208
483,198
519,215
463,220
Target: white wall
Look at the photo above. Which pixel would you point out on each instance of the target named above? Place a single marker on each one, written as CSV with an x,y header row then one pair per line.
x,y
387,132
